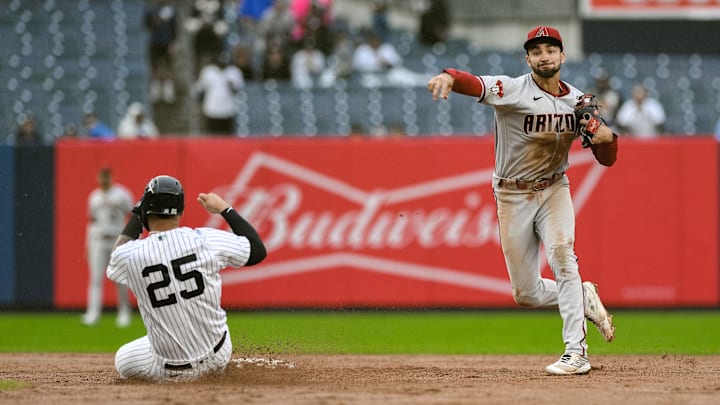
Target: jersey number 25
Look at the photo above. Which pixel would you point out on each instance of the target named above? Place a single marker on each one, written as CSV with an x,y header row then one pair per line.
x,y
165,281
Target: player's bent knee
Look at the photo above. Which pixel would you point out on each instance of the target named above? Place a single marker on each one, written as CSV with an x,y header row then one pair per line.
x,y
120,366
526,300
562,256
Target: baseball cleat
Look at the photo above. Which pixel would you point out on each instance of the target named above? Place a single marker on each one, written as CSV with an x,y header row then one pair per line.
x,y
90,320
570,364
596,312
122,320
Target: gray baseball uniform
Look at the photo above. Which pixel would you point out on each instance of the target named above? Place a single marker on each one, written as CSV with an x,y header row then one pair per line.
x,y
534,131
107,210
175,277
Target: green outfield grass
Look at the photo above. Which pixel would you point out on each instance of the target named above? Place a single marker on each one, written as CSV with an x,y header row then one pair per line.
x,y
386,332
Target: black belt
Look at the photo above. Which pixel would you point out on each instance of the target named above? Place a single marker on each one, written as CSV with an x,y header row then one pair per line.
x,y
186,366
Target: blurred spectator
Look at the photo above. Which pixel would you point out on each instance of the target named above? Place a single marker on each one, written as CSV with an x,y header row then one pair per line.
x,y
242,58
380,64
641,116
249,13
161,22
276,25
435,22
313,19
380,19
253,9
136,124
717,130
216,87
97,129
392,130
339,63
207,24
70,131
307,64
609,99
28,133
375,56
276,64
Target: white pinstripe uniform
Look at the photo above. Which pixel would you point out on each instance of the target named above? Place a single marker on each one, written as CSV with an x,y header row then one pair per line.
x,y
534,131
107,210
175,276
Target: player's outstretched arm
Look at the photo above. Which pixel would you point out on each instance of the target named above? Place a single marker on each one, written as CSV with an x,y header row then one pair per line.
x,y
455,80
214,204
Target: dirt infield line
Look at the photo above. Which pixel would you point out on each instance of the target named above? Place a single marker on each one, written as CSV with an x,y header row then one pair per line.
x,y
60,379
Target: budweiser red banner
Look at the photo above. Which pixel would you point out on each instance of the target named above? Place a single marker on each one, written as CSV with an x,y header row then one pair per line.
x,y
411,223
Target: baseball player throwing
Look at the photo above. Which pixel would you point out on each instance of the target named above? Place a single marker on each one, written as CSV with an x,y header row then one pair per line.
x,y
535,125
174,274
108,207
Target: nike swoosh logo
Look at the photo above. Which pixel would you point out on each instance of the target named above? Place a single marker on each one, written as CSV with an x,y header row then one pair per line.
x,y
537,98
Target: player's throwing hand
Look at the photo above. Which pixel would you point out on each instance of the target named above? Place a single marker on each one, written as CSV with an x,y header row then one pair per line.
x,y
441,85
212,202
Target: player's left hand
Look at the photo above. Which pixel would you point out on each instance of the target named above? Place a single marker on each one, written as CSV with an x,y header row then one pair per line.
x,y
590,125
603,134
212,202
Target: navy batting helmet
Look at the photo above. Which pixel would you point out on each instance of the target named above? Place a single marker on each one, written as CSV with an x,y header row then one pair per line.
x,y
164,196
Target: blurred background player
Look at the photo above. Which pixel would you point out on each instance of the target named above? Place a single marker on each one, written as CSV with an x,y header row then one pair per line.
x,y
108,207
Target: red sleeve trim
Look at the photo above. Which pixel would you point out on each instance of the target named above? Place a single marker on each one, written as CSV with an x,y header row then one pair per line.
x,y
606,153
466,83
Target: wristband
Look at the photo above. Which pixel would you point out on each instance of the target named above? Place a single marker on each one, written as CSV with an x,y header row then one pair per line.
x,y
466,83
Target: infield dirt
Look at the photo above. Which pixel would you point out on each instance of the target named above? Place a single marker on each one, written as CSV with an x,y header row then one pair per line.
x,y
59,379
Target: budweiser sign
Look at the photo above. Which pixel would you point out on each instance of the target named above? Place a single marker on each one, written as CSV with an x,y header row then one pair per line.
x,y
314,221
408,223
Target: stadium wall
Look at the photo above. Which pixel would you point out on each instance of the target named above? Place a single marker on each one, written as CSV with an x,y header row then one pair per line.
x,y
26,226
34,221
7,225
382,222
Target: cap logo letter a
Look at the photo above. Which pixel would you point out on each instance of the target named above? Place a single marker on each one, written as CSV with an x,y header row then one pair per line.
x,y
542,32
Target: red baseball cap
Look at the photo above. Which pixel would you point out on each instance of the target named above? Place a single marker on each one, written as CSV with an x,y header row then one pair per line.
x,y
543,33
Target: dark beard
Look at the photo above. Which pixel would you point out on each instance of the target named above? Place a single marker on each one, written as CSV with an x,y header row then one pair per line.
x,y
546,74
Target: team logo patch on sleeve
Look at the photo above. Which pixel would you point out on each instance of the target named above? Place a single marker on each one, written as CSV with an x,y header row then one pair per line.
x,y
497,89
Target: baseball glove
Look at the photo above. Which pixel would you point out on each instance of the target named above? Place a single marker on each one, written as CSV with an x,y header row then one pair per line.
x,y
587,109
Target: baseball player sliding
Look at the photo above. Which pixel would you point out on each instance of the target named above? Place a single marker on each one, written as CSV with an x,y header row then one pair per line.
x,y
537,117
174,274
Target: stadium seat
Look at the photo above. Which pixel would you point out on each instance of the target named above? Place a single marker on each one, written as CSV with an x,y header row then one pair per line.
x,y
63,57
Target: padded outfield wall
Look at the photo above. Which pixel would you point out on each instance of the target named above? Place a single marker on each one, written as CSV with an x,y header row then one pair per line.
x,y
386,223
